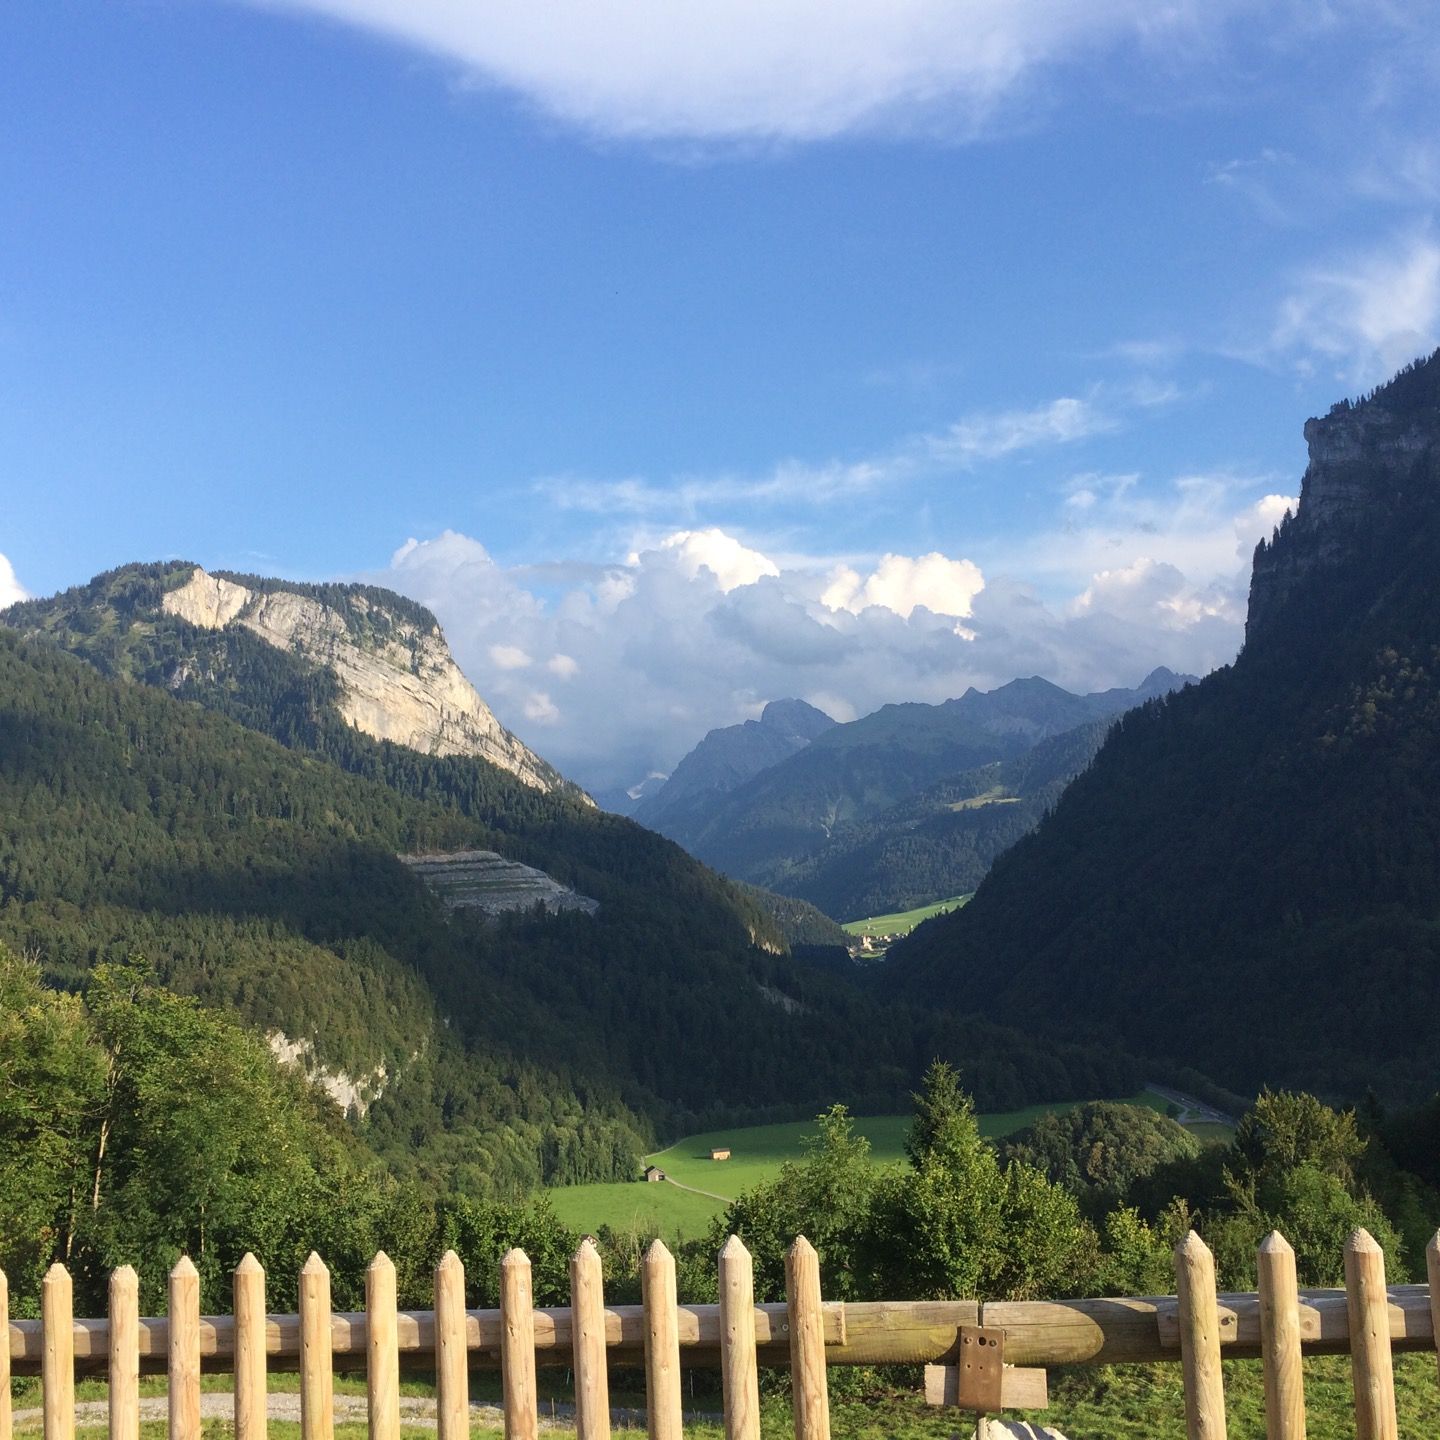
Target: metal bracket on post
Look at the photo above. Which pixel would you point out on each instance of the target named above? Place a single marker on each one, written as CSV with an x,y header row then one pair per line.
x,y
980,1381
981,1366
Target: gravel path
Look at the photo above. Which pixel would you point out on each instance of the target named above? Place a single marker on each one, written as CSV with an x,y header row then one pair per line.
x,y
415,1410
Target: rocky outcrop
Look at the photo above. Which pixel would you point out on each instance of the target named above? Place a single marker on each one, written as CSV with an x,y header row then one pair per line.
x,y
398,680
1369,463
352,1095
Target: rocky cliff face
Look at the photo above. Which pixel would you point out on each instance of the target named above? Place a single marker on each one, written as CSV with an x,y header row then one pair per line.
x,y
1369,464
397,678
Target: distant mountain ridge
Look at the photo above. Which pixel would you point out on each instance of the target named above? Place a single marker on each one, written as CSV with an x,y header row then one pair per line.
x,y
829,796
1248,876
726,758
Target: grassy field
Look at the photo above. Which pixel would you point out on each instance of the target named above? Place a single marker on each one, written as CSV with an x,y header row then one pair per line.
x,y
1122,1402
904,921
757,1153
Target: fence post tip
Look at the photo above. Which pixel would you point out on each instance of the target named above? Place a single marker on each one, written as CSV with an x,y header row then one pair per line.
x,y
514,1256
801,1246
249,1265
184,1269
1192,1246
734,1249
381,1262
657,1252
450,1261
314,1265
55,1274
586,1251
1433,1248
1275,1244
1361,1241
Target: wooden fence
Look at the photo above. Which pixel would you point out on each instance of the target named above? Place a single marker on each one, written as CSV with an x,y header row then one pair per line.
x,y
1195,1327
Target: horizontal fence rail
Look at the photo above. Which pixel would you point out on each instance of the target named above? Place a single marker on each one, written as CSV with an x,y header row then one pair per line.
x,y
1196,1328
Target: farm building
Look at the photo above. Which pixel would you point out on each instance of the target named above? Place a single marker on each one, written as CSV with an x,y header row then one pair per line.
x,y
653,1173
720,1154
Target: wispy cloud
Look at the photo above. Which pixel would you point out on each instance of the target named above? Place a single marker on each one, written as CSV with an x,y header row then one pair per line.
x,y
1364,316
768,70
967,443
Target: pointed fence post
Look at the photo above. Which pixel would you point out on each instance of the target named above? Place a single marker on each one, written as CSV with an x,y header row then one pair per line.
x,y
6,1418
124,1354
587,1320
663,1417
739,1375
317,1378
1199,1340
809,1392
382,1349
452,1356
57,1356
251,1421
1432,1271
517,1347
1280,1340
1370,1364
184,1350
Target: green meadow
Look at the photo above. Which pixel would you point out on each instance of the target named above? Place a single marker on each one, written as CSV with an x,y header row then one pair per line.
x,y
756,1154
903,921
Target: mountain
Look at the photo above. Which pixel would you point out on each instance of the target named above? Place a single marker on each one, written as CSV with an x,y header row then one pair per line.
x,y
360,656
319,883
727,758
1248,876
826,800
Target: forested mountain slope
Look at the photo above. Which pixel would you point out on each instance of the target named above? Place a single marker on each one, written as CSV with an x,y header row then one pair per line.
x,y
842,791
497,1053
1248,876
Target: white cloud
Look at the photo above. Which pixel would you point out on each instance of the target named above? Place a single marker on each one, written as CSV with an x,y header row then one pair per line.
x,y
509,657
728,561
1366,316
703,630
765,70
11,590
899,583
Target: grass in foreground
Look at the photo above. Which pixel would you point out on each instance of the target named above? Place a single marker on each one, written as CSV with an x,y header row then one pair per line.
x,y
1120,1402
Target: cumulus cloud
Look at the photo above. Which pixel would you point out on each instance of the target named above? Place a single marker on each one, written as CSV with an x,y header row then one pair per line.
x,y
11,590
765,70
1365,316
701,628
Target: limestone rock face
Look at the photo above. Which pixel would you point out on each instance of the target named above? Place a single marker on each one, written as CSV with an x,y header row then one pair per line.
x,y
1367,463
398,680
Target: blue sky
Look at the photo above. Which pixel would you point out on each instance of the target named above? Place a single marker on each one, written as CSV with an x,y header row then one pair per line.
x,y
707,353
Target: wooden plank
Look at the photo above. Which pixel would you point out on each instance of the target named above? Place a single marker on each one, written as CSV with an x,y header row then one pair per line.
x,y
1280,1340
6,1414
251,1416
184,1367
1370,1363
317,1366
1432,1269
1021,1388
452,1374
382,1351
1324,1322
522,1421
592,1381
124,1357
809,1392
58,1366
663,1417
739,1377
1199,1340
